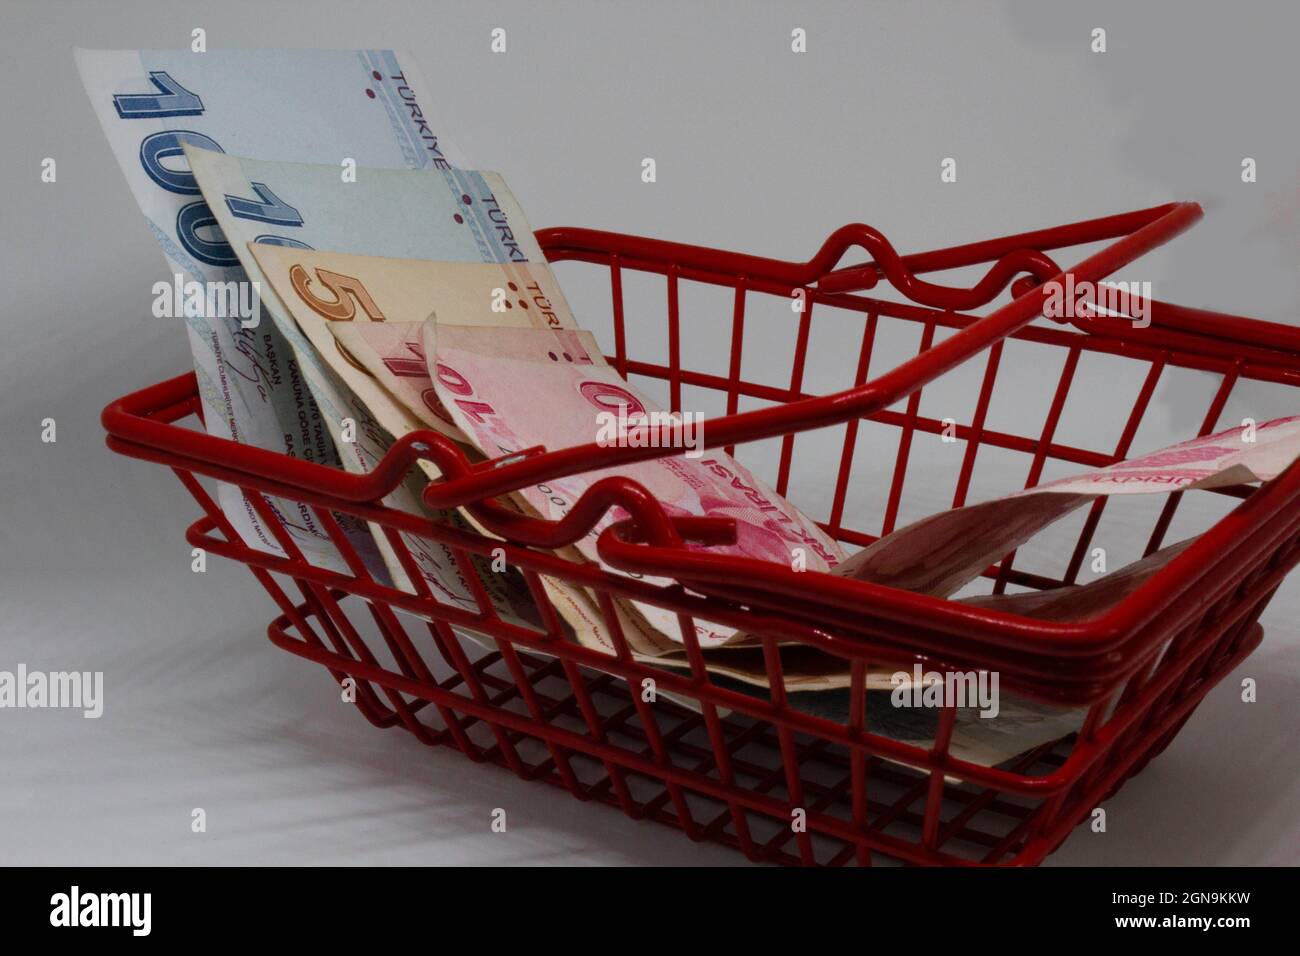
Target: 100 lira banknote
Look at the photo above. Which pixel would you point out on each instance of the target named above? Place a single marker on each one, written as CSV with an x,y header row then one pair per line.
x,y
368,107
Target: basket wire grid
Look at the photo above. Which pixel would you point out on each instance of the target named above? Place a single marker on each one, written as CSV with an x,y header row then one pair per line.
x,y
703,757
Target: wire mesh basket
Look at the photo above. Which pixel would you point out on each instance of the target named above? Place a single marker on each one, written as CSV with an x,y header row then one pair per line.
x,y
759,771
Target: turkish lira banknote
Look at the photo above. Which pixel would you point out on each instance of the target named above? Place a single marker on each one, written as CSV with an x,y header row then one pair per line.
x,y
386,350
939,554
511,389
447,214
333,295
368,107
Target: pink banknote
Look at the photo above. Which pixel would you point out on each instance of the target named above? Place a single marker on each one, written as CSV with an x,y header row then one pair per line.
x,y
939,554
510,389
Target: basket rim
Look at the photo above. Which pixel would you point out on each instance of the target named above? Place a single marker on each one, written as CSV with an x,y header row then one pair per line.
x,y
145,420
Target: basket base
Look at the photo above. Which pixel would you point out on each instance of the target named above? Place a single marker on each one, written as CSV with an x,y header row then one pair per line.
x,y
579,729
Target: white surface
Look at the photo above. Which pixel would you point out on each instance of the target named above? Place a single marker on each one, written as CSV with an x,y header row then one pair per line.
x,y
757,150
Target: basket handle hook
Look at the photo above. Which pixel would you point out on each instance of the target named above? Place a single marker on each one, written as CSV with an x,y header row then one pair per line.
x,y
887,263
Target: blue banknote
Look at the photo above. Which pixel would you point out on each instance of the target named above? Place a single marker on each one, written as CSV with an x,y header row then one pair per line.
x,y
369,107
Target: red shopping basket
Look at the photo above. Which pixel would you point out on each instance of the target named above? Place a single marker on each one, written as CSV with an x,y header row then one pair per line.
x,y
761,773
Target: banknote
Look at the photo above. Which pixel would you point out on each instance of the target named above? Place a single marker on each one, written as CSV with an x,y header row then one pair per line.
x,y
393,354
376,348
332,294
370,107
941,553
1078,601
1021,724
819,683
806,669
444,214
385,350
451,214
510,389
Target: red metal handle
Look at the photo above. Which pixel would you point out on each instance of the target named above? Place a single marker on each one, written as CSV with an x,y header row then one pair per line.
x,y
136,419
659,255
819,411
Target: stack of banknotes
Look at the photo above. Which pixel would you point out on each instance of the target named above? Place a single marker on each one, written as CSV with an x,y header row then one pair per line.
x,y
400,290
